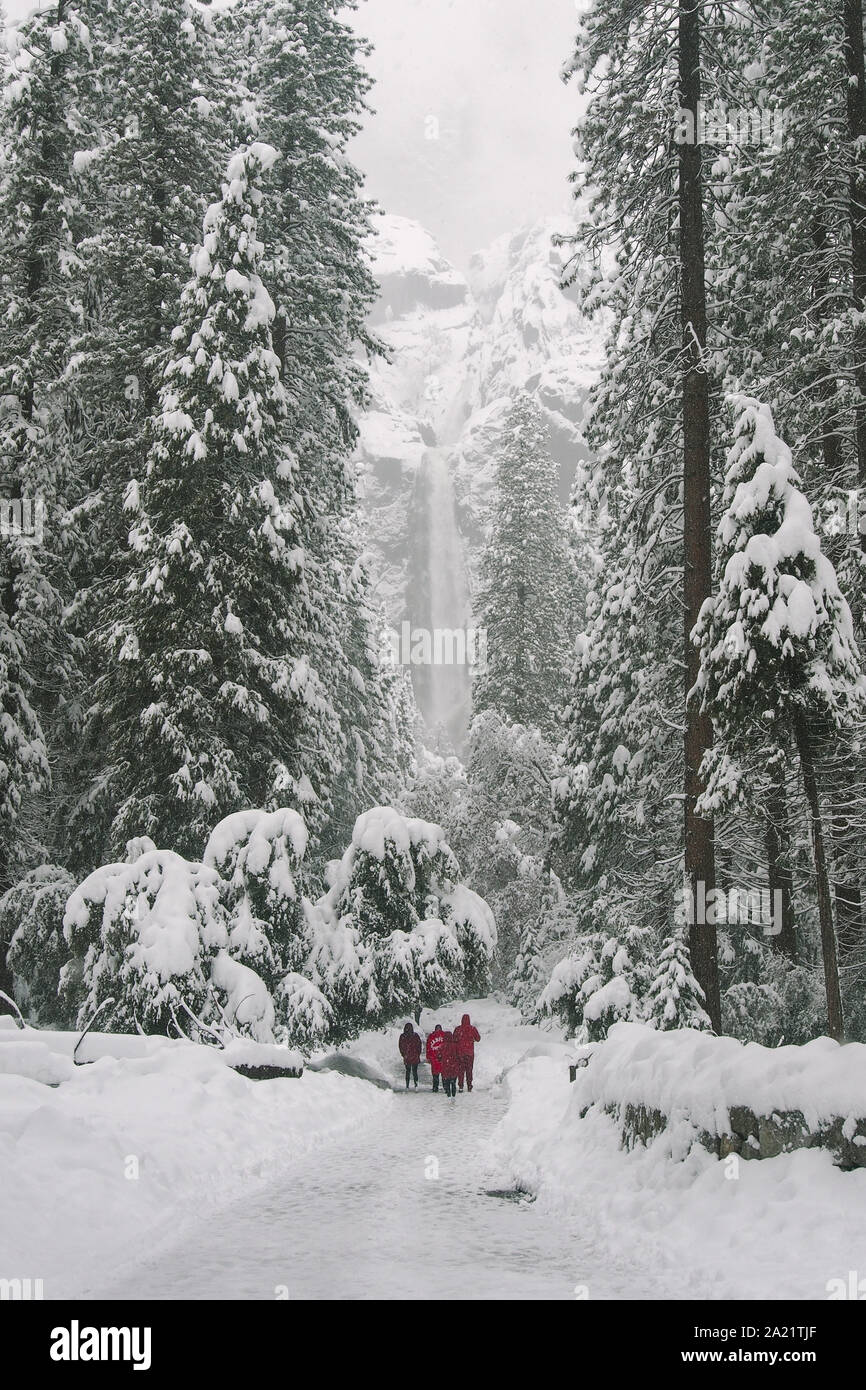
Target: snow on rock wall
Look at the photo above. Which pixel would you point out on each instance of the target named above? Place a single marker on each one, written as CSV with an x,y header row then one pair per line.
x,y
460,347
732,1097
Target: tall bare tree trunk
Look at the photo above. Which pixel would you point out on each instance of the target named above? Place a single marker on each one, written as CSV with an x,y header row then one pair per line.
x,y
846,867
697,542
835,1021
856,112
778,842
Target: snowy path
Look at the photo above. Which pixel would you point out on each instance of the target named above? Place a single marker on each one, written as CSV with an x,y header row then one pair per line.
x,y
359,1219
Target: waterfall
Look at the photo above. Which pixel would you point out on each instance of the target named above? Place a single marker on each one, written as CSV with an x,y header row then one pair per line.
x,y
441,602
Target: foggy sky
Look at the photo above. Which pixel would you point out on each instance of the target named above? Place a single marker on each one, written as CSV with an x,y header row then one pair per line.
x,y
487,71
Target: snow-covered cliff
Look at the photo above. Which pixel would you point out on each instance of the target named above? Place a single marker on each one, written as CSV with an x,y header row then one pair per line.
x,y
460,346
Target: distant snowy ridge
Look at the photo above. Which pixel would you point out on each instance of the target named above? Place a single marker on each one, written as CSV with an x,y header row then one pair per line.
x,y
461,346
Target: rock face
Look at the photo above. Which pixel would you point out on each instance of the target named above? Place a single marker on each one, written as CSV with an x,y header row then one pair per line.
x,y
753,1136
460,346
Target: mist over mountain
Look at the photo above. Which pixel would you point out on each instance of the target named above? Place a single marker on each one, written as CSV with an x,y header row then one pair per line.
x,y
471,134
460,345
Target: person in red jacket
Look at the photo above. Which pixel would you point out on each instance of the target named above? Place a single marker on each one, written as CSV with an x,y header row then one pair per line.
x,y
448,1063
409,1044
466,1035
434,1047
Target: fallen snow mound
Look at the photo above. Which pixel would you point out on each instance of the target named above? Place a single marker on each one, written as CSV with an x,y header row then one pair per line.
x,y
685,1072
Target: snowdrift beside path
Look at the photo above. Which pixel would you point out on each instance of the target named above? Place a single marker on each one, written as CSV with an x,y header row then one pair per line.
x,y
686,1224
34,1051
127,1152
688,1073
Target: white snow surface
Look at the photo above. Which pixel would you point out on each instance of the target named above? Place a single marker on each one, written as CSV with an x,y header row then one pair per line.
x,y
687,1225
332,1188
684,1071
201,1135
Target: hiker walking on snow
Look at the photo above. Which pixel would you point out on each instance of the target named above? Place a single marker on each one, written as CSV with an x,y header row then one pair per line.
x,y
434,1048
410,1050
448,1063
466,1035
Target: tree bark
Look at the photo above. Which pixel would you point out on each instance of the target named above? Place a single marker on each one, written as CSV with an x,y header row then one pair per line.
x,y
697,542
855,72
846,885
835,1020
781,879
5,978
846,868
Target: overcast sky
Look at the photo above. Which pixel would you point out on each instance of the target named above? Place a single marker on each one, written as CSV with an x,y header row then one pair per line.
x,y
472,128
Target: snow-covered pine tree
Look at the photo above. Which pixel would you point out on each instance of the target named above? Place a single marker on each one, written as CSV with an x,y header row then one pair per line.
x,y
788,294
258,855
31,921
603,980
528,977
524,594
502,826
208,696
645,72
149,160
40,215
396,929
674,998
615,799
147,933
777,644
302,65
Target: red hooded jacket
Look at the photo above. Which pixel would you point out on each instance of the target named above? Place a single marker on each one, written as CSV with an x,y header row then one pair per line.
x,y
434,1051
448,1056
466,1035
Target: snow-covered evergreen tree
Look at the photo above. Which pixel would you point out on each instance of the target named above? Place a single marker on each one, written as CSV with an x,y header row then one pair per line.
x,y
148,162
528,978
674,998
602,981
147,935
31,923
258,855
524,596
209,693
302,64
396,929
778,651
41,219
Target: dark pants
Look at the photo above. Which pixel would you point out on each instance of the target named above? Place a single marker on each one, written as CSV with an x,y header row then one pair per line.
x,y
464,1072
450,1083
413,1068
436,1081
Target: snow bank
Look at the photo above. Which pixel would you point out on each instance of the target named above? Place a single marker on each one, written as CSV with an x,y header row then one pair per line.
x,y
21,1049
672,1219
687,1073
129,1152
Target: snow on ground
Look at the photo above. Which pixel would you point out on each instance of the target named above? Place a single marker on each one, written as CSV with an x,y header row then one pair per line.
x,y
401,1210
328,1187
505,1039
693,1073
782,1228
196,1133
